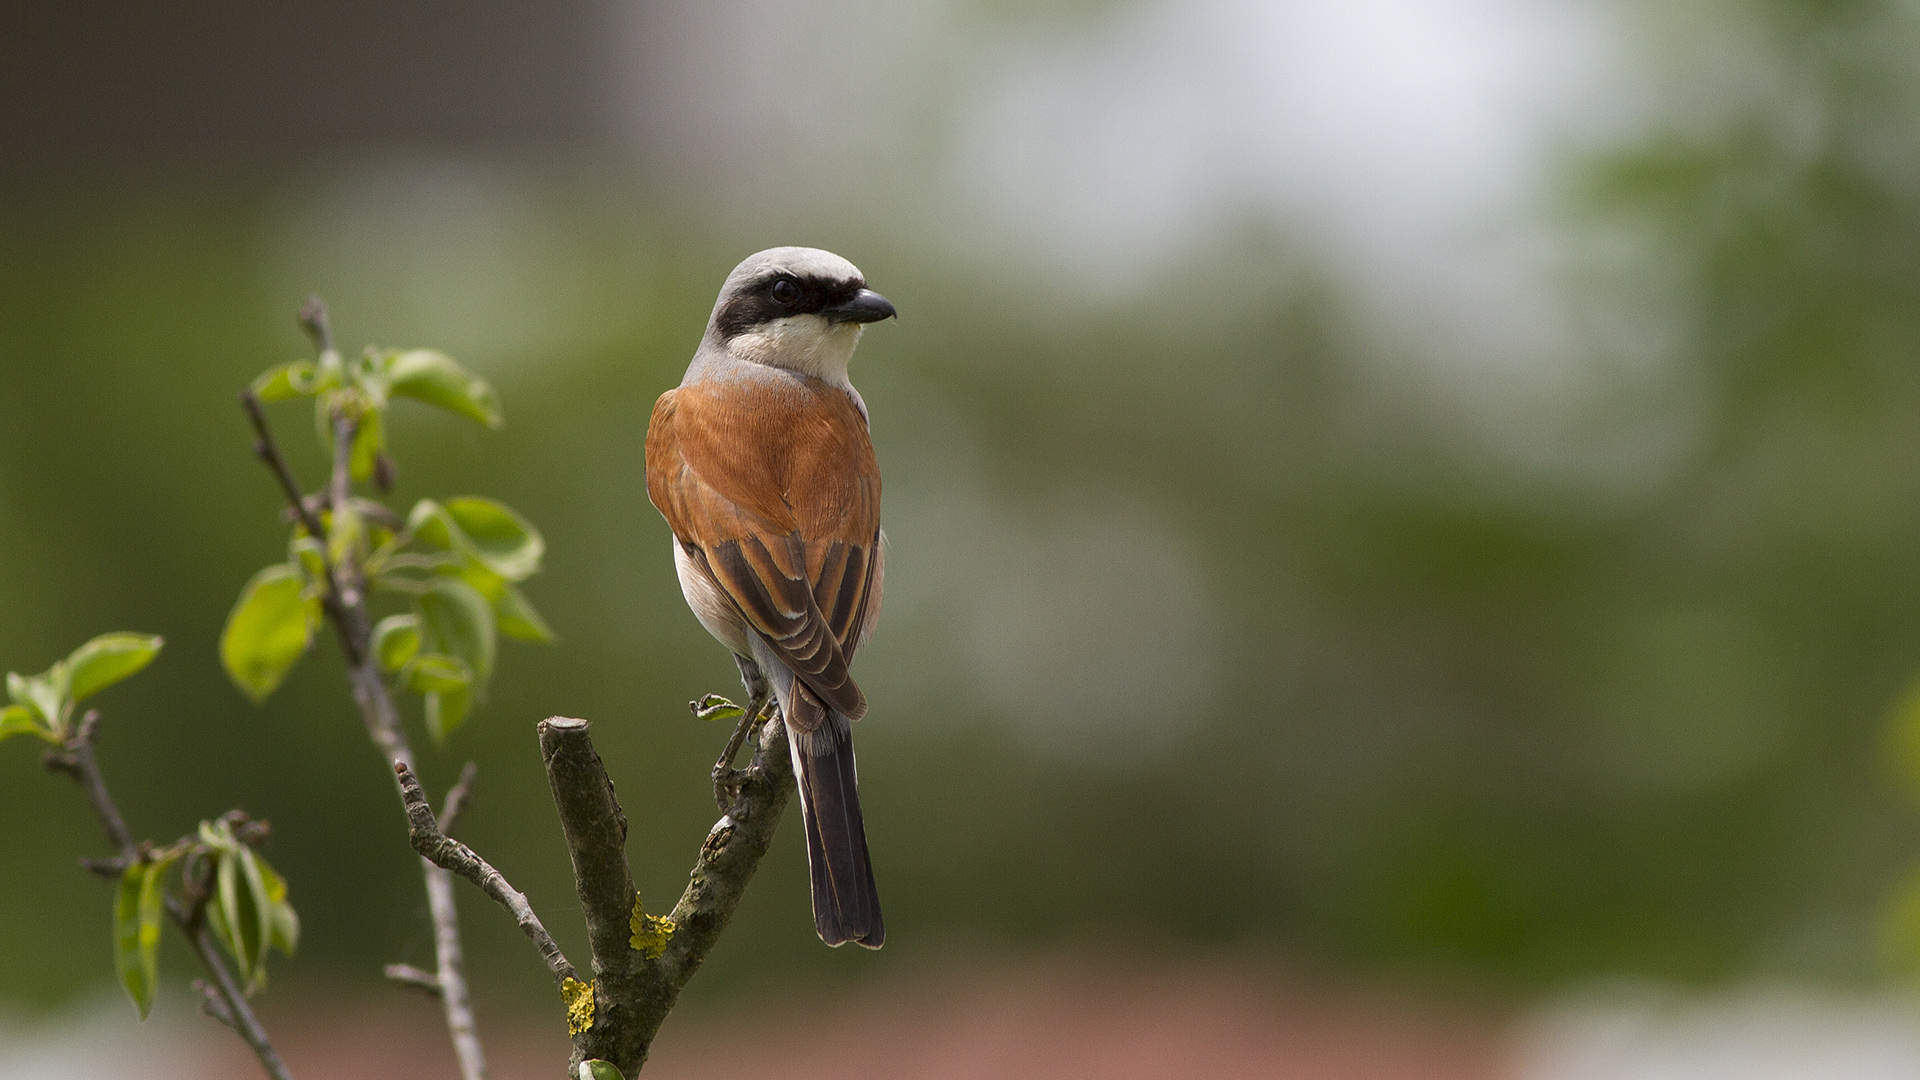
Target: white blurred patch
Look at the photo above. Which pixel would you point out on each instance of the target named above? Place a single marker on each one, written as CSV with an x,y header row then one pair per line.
x,y
1408,144
1767,1034
103,1037
1108,138
1391,125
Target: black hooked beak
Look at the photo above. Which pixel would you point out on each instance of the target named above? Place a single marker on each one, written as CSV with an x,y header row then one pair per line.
x,y
865,307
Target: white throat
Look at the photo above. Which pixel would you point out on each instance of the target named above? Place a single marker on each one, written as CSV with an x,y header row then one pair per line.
x,y
807,344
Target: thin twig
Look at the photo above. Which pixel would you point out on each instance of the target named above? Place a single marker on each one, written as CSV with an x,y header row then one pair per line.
x,y
215,1005
444,851
267,451
408,975
244,1022
457,797
313,319
349,585
75,759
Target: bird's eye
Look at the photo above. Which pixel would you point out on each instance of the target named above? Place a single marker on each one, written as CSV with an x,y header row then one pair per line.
x,y
785,292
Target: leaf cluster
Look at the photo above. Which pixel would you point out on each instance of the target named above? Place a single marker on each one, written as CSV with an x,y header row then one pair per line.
x,y
221,877
225,881
43,704
457,564
362,390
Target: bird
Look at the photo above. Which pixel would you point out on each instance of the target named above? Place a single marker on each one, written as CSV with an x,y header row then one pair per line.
x,y
762,463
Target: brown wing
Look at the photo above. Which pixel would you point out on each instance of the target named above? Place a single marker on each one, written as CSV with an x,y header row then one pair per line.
x,y
775,494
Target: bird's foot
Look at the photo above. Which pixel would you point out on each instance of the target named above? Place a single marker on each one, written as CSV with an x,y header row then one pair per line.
x,y
728,780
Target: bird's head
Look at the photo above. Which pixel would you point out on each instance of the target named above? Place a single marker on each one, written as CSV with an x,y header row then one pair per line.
x,y
796,308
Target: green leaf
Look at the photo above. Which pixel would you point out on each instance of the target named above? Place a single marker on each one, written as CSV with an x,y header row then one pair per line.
x,y
430,523
503,542
599,1070
139,969
507,543
107,659
433,673
286,381
368,374
239,914
715,707
18,720
137,909
433,377
447,684
44,695
456,620
217,836
283,926
257,913
269,629
396,640
369,438
446,711
517,618
309,555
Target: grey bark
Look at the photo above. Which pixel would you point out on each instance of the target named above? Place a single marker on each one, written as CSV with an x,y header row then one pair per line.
x,y
634,992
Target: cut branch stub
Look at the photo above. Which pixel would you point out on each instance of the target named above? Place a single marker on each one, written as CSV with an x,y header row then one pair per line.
x,y
596,832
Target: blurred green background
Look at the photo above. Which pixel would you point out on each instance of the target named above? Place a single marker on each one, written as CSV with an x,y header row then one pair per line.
x,y
1495,559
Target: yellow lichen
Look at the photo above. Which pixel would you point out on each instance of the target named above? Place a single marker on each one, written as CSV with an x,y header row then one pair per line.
x,y
579,999
650,932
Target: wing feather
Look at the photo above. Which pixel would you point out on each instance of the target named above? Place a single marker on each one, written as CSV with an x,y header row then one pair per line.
x,y
775,496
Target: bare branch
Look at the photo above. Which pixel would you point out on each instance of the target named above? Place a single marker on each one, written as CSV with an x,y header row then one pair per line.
x,y
215,1005
728,858
456,1003
267,451
238,1012
313,319
449,854
75,759
109,869
596,832
408,975
457,796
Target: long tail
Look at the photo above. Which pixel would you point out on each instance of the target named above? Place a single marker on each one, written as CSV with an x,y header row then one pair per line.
x,y
846,906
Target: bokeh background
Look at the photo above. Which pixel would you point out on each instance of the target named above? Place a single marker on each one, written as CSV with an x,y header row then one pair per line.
x,y
1405,514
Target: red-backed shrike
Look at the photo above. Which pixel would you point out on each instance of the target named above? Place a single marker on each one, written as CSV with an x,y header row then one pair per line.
x,y
761,463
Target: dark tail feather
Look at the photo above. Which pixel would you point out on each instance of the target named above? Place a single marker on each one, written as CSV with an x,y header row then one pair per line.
x,y
846,907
